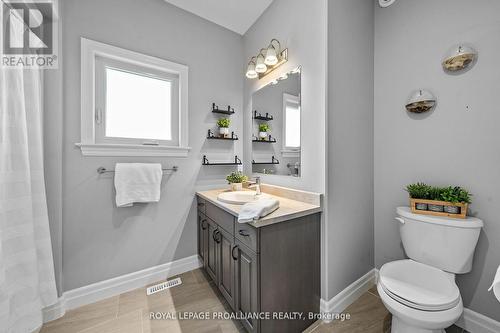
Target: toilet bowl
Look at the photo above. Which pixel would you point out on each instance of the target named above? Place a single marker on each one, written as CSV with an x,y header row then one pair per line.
x,y
421,298
421,292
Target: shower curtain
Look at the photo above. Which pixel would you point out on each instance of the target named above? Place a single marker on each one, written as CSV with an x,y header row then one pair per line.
x,y
27,282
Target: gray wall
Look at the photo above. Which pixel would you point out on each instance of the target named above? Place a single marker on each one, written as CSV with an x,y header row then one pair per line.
x,y
458,142
300,26
101,241
350,142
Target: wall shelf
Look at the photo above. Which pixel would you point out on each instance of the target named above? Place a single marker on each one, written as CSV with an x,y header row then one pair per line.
x,y
259,116
212,136
237,161
229,111
269,139
273,161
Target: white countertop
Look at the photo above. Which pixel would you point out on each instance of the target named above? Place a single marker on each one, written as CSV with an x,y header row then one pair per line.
x,y
289,208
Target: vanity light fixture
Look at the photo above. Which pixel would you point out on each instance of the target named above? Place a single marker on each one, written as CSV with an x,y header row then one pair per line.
x,y
261,66
267,60
251,72
271,53
459,58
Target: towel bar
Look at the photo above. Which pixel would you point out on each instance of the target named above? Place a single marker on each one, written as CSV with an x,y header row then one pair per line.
x,y
102,170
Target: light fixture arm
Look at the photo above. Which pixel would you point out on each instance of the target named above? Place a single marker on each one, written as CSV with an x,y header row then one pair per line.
x,y
278,50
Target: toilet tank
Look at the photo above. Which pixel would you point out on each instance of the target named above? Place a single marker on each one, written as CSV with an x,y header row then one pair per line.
x,y
441,242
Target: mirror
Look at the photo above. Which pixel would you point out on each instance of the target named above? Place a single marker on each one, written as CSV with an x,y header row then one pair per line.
x,y
276,124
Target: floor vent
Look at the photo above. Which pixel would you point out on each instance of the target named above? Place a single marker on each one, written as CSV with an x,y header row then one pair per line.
x,y
163,286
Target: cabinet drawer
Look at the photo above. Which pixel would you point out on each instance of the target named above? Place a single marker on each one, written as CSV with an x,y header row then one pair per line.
x,y
201,205
222,218
248,235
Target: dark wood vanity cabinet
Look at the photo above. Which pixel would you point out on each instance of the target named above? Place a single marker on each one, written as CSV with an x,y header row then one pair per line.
x,y
202,237
271,269
226,263
246,284
211,264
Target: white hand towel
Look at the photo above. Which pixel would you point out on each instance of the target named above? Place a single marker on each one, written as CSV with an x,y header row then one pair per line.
x,y
496,285
137,182
255,210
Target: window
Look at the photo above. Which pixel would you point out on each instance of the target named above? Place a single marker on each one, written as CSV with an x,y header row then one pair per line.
x,y
132,104
291,123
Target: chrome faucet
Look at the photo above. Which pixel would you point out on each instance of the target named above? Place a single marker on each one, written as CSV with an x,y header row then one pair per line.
x,y
256,184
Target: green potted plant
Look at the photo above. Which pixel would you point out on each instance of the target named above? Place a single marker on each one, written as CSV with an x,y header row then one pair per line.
x,y
263,129
455,195
435,194
223,124
419,191
449,201
236,180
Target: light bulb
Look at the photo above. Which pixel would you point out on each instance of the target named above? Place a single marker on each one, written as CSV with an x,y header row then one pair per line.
x,y
271,58
251,73
260,67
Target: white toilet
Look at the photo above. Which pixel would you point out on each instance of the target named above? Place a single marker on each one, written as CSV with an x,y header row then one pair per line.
x,y
421,292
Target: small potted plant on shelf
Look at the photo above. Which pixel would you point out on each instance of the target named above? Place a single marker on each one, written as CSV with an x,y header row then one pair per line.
x,y
223,124
236,180
263,129
419,191
455,195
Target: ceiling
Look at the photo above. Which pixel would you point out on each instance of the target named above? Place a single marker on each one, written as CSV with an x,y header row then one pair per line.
x,y
235,15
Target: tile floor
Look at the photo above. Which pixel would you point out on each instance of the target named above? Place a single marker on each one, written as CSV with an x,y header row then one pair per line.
x,y
130,313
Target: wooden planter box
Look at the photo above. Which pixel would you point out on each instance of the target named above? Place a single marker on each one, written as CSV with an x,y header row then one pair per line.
x,y
461,215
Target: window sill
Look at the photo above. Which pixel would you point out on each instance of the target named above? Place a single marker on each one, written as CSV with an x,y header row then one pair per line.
x,y
132,150
290,153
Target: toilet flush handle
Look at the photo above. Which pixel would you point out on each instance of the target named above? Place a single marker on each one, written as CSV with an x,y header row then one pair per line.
x,y
400,220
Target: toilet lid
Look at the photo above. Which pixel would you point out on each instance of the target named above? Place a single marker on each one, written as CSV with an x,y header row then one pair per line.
x,y
419,286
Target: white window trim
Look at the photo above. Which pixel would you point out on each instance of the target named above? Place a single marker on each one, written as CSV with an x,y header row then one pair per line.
x,y
89,51
289,151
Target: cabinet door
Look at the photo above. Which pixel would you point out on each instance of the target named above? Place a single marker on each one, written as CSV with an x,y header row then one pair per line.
x,y
226,264
202,237
211,254
247,292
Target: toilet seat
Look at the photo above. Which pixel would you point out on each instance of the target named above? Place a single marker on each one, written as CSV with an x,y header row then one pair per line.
x,y
419,286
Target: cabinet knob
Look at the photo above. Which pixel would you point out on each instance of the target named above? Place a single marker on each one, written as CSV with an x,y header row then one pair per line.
x,y
232,252
244,233
216,237
203,224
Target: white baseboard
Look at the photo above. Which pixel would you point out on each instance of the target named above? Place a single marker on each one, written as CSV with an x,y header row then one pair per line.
x,y
347,296
54,311
98,291
477,323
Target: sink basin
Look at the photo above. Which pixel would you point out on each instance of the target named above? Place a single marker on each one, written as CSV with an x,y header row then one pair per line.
x,y
238,197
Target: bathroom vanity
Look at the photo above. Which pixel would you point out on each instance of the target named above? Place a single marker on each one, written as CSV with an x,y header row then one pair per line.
x,y
270,267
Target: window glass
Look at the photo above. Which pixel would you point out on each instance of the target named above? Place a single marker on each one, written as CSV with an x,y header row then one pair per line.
x,y
292,125
137,106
